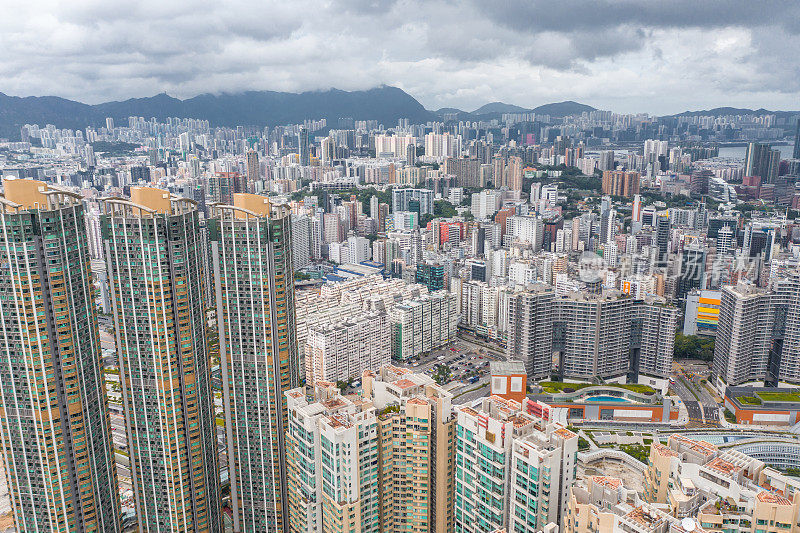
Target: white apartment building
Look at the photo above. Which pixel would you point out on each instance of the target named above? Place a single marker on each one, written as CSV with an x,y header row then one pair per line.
x,y
513,467
332,462
442,145
530,329
301,241
486,203
422,324
526,229
393,145
341,350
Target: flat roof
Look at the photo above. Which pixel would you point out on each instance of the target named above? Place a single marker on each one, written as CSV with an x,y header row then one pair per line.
x,y
506,368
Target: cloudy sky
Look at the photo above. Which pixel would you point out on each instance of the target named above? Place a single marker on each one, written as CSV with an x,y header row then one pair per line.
x,y
654,56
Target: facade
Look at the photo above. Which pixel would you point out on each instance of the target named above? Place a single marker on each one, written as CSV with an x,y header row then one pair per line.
x,y
743,342
253,170
509,380
403,200
56,432
513,467
430,275
342,350
596,335
223,185
379,461
620,183
693,270
302,245
659,322
530,330
702,313
423,324
762,161
416,425
252,261
332,460
153,255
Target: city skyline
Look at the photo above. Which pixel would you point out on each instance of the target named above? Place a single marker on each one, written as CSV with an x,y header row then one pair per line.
x,y
253,303
628,56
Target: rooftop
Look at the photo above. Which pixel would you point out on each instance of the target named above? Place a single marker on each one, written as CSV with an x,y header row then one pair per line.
x,y
607,482
664,450
770,497
722,466
333,403
405,383
339,420
564,433
643,515
506,368
558,387
702,447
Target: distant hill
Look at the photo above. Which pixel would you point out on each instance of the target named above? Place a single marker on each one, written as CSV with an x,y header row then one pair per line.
x,y
562,109
448,110
719,111
499,107
495,110
257,108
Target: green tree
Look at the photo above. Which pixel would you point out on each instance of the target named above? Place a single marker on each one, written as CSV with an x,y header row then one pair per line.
x,y
693,347
443,208
441,374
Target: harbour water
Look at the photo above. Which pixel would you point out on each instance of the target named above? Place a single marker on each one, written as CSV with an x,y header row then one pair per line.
x,y
740,151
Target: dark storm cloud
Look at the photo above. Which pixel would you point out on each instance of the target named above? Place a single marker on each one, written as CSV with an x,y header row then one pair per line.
x,y
568,15
630,55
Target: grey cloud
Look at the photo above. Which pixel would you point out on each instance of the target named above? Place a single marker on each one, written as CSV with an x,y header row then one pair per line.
x,y
446,52
567,15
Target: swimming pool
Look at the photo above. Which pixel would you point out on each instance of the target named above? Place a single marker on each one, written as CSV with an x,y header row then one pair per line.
x,y
605,399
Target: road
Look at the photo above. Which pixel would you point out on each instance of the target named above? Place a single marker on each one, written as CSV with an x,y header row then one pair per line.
x,y
702,406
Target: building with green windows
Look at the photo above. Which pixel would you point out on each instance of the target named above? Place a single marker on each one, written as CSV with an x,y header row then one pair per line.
x,y
513,467
54,420
254,287
430,275
332,447
153,248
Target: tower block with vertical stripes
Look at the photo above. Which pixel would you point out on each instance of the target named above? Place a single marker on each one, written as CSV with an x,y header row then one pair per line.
x,y
251,256
153,250
54,420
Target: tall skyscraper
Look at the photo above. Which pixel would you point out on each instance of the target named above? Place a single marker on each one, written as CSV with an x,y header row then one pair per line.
x,y
606,160
301,241
56,432
662,239
596,335
796,151
334,472
253,170
513,467
608,226
379,461
741,351
620,183
530,330
303,145
693,270
515,173
153,252
223,185
762,161
252,262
